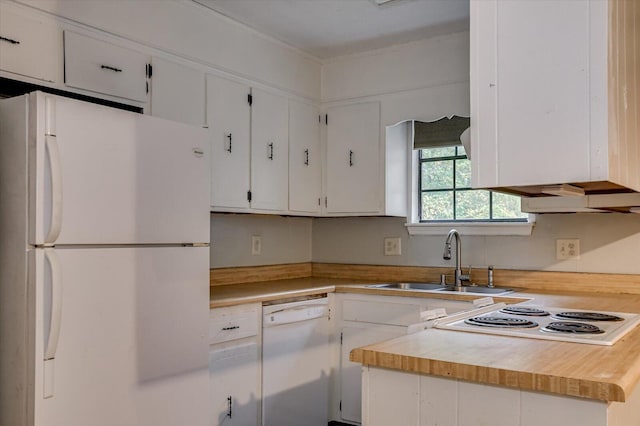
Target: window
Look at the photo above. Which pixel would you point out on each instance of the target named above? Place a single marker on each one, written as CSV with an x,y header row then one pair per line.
x,y
445,193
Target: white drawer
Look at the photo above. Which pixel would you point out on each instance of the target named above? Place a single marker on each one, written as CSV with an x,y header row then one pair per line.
x,y
233,323
103,67
380,312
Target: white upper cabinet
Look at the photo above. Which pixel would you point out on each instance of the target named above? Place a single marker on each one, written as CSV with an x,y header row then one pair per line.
x,y
554,95
269,151
304,158
229,119
177,92
29,45
353,169
102,67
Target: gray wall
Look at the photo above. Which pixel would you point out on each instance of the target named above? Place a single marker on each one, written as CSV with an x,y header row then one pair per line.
x,y
284,239
609,243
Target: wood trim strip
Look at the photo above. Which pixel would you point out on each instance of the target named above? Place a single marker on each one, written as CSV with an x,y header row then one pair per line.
x,y
248,274
535,280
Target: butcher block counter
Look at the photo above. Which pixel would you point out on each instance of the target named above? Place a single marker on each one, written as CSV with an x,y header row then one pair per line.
x,y
606,373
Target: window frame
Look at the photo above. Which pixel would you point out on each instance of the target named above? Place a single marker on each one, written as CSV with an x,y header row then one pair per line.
x,y
415,227
454,189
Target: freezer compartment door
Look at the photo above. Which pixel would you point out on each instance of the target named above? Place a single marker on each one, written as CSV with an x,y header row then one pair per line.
x,y
121,336
105,176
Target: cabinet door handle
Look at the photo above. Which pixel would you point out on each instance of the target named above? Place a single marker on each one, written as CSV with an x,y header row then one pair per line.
x,y
270,155
350,158
230,139
110,68
233,327
9,40
306,157
229,406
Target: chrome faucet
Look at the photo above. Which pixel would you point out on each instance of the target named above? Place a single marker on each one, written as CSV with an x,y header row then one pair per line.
x,y
459,276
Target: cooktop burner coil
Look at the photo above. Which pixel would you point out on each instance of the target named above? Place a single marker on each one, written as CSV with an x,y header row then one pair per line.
x,y
504,322
572,327
586,316
524,310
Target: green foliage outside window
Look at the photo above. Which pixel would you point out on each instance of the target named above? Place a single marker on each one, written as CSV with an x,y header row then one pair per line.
x,y
446,194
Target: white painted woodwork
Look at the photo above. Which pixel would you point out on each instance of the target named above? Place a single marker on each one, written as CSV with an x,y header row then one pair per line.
x,y
30,45
354,336
541,94
102,67
353,159
305,159
401,388
367,319
445,402
121,357
269,151
229,119
234,365
125,178
177,92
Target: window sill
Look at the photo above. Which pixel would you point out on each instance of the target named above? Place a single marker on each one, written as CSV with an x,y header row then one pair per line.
x,y
472,228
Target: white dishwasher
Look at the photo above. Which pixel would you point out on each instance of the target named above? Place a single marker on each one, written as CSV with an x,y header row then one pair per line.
x,y
295,363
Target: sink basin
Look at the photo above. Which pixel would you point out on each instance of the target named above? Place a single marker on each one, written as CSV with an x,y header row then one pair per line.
x,y
410,286
440,288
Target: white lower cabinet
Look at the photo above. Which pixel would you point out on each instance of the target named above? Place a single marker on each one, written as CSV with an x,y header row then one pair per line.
x,y
369,319
393,397
234,365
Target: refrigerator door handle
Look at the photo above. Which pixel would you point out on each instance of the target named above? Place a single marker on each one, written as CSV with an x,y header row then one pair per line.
x,y
56,189
56,319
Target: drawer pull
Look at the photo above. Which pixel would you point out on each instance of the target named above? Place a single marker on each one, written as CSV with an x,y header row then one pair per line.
x,y
234,327
9,40
107,67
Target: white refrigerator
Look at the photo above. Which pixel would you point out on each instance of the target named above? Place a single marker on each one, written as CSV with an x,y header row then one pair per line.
x,y
104,266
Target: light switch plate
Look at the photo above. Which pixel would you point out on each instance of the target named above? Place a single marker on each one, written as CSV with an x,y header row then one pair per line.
x,y
256,245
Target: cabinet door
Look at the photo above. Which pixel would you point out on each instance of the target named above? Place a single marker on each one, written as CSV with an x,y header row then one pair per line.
x,y
29,46
269,151
304,158
353,158
350,372
234,384
530,92
177,92
228,118
103,67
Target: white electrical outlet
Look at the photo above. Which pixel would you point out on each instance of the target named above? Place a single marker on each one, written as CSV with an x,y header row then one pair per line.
x,y
256,245
567,249
392,246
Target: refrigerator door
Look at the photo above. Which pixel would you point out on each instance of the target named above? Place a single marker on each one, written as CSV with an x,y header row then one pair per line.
x,y
121,336
104,176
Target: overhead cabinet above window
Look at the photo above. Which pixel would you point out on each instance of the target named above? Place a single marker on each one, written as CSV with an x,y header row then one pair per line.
x,y
555,96
102,67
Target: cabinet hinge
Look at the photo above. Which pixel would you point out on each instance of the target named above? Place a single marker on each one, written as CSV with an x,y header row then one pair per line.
x,y
149,68
250,99
326,119
325,202
249,196
147,84
319,201
341,338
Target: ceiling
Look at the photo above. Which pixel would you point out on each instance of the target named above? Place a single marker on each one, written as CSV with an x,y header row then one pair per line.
x,y
329,28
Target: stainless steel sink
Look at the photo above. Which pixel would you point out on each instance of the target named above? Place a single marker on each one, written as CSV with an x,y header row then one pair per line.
x,y
440,288
410,286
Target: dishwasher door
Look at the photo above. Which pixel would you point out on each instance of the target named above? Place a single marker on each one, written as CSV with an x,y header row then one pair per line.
x,y
295,364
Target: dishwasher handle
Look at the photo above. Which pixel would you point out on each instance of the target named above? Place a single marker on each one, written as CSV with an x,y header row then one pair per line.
x,y
297,314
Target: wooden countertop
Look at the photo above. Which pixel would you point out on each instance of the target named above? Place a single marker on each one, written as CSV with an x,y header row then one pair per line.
x,y
607,373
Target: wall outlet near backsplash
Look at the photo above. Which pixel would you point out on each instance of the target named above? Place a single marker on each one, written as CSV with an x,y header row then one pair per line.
x,y
393,246
568,249
256,245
